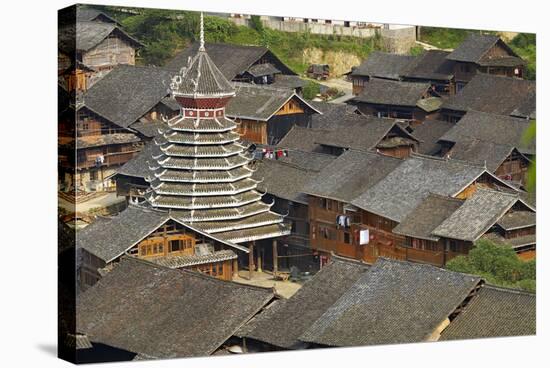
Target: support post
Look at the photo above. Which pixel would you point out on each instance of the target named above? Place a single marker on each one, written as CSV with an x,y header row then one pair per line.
x,y
235,268
260,258
275,259
250,259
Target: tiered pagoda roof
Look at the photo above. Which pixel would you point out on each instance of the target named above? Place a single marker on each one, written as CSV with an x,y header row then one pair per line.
x,y
202,174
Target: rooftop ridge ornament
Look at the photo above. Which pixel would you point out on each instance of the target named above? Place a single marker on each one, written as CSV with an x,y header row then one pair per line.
x,y
201,47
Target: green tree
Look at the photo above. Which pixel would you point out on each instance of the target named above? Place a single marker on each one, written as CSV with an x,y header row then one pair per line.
x,y
311,89
498,264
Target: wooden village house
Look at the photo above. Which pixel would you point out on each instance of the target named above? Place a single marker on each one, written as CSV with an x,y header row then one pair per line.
x,y
111,315
200,186
495,141
90,45
343,130
432,67
347,304
240,63
266,114
414,102
283,180
440,227
113,119
492,94
484,54
379,65
358,200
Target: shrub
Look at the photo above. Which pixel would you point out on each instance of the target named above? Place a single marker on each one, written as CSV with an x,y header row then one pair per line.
x,y
498,264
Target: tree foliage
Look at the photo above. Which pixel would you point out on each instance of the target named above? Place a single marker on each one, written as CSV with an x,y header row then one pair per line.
x,y
498,264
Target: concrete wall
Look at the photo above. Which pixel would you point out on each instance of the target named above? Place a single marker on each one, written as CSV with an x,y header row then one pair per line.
x,y
314,28
397,38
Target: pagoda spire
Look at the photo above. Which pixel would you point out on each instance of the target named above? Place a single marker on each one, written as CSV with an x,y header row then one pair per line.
x,y
201,47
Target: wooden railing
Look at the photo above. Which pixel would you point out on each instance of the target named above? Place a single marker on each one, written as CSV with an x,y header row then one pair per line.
x,y
437,258
110,159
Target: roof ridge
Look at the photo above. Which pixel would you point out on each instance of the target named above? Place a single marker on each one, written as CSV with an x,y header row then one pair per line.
x,y
509,289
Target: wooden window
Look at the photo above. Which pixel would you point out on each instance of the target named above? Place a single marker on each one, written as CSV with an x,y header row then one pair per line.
x,y
347,238
176,245
453,246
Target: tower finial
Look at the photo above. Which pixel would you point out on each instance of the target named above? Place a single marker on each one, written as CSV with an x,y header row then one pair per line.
x,y
201,48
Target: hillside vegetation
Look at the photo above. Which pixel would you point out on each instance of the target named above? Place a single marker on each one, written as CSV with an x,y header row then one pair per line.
x,y
165,32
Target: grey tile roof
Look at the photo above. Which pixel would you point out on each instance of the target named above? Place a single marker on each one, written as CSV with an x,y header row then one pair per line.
x,y
351,174
259,102
363,132
259,70
193,260
369,312
481,153
288,81
517,242
492,128
149,129
109,238
383,65
517,220
89,35
334,116
311,161
139,165
89,14
387,92
106,139
475,46
302,139
495,312
127,93
414,179
201,77
528,108
284,179
432,65
476,215
428,133
232,60
156,311
493,94
428,215
283,322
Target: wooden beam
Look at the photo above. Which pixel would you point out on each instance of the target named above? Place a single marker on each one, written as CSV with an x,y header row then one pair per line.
x,y
250,259
275,258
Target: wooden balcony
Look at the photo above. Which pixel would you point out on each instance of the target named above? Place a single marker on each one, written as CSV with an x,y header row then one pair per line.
x,y
111,159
